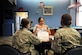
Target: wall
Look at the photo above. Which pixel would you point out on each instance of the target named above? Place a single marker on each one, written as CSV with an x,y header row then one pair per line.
x,y
53,21
59,8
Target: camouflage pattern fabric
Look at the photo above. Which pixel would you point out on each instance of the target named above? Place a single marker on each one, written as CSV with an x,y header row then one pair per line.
x,y
67,36
24,41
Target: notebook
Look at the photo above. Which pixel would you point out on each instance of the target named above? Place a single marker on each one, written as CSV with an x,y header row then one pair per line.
x,y
43,35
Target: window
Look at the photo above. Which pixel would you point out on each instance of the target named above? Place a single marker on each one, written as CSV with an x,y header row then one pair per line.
x,y
79,15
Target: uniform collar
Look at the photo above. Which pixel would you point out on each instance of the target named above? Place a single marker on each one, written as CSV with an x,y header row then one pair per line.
x,y
66,26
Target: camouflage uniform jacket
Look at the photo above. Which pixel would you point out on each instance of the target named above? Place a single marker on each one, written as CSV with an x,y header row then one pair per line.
x,y
24,40
67,36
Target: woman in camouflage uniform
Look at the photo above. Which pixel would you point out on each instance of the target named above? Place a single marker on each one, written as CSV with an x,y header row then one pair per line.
x,y
66,37
24,40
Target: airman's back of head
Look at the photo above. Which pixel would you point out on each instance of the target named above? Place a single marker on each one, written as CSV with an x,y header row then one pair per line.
x,y
66,19
24,22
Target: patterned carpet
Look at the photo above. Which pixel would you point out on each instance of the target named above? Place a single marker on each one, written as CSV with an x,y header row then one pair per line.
x,y
6,40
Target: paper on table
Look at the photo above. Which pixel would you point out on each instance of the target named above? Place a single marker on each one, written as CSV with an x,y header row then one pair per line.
x,y
43,35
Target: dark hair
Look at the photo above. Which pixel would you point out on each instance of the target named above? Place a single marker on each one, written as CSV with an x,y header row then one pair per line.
x,y
40,19
24,22
66,19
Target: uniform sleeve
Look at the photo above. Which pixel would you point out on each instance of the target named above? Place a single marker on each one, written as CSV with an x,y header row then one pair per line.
x,y
34,39
17,39
78,37
57,45
57,38
57,35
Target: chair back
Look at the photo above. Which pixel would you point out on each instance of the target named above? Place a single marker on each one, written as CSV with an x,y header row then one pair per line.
x,y
75,51
8,50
